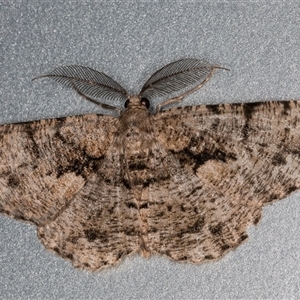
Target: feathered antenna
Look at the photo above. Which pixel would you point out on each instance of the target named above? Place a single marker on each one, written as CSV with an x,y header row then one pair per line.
x,y
178,79
89,83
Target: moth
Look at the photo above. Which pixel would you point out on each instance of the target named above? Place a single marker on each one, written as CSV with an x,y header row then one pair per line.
x,y
183,182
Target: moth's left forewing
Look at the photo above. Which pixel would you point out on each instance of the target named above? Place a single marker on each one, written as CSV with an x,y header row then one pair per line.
x,y
231,160
250,150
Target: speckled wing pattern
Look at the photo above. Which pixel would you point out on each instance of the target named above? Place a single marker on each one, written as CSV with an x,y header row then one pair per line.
x,y
232,160
47,177
186,182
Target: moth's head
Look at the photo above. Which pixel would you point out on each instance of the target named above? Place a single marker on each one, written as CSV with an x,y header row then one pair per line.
x,y
137,101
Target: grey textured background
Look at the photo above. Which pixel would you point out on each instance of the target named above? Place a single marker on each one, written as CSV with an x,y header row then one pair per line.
x,y
129,40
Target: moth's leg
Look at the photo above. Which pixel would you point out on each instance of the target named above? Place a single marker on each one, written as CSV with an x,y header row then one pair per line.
x,y
169,101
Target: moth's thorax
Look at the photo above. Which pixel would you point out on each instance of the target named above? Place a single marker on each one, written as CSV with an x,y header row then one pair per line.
x,y
135,142
135,117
